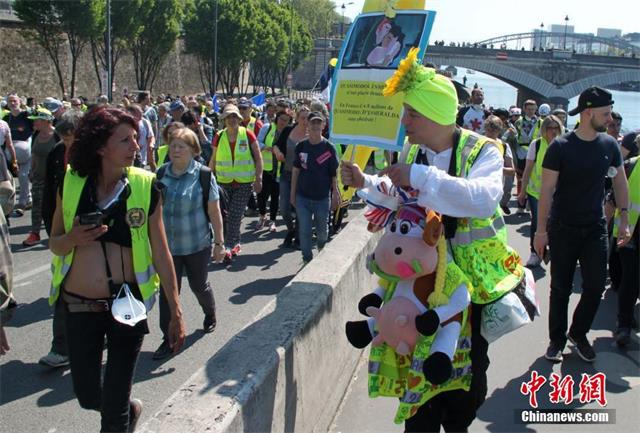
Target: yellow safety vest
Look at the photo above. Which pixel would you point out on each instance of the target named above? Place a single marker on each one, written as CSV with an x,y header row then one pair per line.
x,y
251,126
401,376
634,199
162,154
379,159
138,203
267,154
535,178
479,246
241,168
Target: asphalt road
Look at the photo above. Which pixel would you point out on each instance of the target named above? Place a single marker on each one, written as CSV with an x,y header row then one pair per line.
x,y
513,358
34,398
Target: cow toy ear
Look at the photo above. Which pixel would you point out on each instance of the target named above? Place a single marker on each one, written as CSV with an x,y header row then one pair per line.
x,y
432,228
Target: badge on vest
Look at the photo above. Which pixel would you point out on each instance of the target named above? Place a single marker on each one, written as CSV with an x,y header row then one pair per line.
x,y
135,217
243,145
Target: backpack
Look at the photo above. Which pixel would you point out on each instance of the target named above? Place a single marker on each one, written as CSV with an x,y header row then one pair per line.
x,y
205,183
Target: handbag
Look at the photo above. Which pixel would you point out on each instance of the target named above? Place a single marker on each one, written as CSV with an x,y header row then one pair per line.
x,y
512,311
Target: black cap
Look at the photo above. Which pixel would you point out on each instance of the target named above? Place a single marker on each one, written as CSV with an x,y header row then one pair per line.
x,y
316,115
593,97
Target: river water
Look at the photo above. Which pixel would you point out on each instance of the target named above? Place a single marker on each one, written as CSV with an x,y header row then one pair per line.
x,y
499,94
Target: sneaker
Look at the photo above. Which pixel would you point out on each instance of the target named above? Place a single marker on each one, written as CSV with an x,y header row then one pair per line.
x,y
583,347
272,227
236,250
54,360
163,351
135,410
228,258
31,240
18,212
534,261
262,222
521,211
554,352
288,240
505,210
209,323
622,336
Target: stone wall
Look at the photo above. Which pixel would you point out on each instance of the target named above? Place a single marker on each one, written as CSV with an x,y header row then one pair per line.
x,y
26,68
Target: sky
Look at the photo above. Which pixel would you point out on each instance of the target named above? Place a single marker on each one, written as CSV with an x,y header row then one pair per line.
x,y
473,21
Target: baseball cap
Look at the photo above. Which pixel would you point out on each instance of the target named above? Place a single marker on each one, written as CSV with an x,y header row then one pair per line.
x,y
52,104
544,110
42,114
244,103
515,111
559,111
593,97
316,115
176,105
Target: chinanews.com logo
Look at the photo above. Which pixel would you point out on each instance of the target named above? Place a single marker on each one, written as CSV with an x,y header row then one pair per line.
x,y
591,388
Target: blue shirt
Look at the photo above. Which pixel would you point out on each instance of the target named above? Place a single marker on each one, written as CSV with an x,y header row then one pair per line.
x,y
185,222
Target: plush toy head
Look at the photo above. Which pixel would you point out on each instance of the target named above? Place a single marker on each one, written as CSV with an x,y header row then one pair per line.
x,y
408,248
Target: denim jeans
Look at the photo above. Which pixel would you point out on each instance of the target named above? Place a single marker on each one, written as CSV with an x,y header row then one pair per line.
x,y
533,206
312,213
568,245
108,395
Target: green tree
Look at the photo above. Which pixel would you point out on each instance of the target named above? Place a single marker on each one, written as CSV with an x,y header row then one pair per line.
x,y
199,27
42,26
160,28
319,15
125,26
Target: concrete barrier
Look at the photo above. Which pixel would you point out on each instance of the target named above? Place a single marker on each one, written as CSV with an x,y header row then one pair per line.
x,y
287,370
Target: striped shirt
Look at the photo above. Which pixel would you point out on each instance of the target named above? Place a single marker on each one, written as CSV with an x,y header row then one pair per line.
x,y
185,222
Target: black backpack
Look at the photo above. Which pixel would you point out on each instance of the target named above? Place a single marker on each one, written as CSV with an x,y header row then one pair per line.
x,y
205,182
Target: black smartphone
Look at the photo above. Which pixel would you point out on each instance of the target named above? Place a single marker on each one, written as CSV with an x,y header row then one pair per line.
x,y
546,256
92,218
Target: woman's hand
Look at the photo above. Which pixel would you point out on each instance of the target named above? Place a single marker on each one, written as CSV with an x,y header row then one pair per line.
x,y
176,332
522,197
218,253
81,235
257,185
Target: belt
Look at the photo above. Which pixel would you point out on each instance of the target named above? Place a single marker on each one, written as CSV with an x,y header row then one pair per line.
x,y
78,305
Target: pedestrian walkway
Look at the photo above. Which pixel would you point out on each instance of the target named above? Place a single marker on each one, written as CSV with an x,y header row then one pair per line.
x,y
513,358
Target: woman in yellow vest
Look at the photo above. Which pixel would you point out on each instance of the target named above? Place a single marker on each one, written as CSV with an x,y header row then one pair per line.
x,y
107,238
237,163
550,129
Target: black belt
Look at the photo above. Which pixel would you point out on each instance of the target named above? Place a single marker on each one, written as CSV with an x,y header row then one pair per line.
x,y
79,305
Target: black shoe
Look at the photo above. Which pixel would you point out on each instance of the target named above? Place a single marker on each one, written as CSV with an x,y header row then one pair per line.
x,y
554,352
583,347
162,352
288,240
135,410
623,336
505,210
209,323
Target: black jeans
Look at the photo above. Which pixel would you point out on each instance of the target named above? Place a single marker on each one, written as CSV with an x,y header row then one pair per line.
x,y
629,285
568,245
196,267
270,190
453,410
59,341
108,395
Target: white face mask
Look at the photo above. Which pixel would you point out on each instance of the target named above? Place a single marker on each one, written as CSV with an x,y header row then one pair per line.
x,y
126,308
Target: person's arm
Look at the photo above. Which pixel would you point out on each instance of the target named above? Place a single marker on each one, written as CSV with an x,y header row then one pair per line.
x,y
528,168
214,149
257,159
509,168
262,135
62,243
621,191
215,216
475,196
12,150
549,180
163,263
295,173
151,144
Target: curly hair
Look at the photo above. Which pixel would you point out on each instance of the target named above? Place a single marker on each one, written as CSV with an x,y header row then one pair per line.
x,y
95,129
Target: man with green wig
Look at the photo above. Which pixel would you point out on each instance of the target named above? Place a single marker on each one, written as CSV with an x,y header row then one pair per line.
x,y
458,173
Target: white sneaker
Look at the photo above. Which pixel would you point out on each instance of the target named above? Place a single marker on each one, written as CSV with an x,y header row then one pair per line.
x,y
54,360
534,261
521,211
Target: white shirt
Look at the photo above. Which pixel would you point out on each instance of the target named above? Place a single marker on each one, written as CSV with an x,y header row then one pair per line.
x,y
475,196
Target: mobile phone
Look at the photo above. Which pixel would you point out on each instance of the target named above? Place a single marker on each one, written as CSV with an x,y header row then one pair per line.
x,y
546,255
92,218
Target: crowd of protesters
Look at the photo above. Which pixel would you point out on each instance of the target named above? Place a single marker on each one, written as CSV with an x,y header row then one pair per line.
x,y
216,161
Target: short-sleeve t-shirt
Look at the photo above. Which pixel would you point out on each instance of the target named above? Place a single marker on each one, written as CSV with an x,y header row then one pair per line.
x,y
318,164
582,167
21,126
